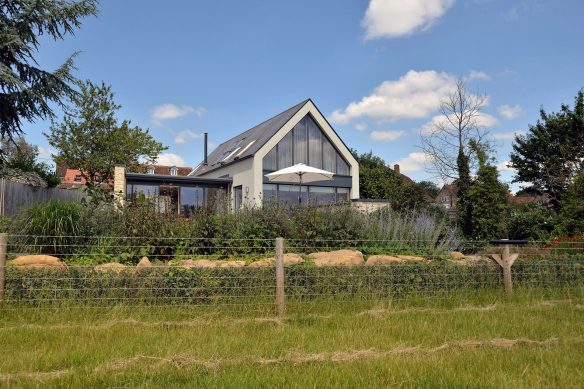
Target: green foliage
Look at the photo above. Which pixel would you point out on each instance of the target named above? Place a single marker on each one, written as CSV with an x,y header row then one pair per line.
x,y
91,139
429,188
21,155
530,221
487,199
126,233
378,181
571,219
27,89
551,153
49,228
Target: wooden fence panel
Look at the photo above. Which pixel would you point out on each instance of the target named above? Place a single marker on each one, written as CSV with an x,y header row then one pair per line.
x,y
15,196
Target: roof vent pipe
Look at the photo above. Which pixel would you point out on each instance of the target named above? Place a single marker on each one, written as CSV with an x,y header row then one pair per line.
x,y
205,162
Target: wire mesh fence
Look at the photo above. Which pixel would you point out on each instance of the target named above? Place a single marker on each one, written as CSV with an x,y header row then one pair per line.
x,y
205,272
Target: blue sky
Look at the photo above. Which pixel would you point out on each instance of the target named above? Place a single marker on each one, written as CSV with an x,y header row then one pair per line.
x,y
377,69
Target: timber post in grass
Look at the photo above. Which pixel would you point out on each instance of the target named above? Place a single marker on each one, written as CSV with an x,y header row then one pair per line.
x,y
506,260
280,297
3,252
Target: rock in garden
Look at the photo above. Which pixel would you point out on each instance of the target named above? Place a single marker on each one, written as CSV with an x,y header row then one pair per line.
x,y
206,263
37,261
338,258
110,267
382,260
411,258
456,255
289,259
144,262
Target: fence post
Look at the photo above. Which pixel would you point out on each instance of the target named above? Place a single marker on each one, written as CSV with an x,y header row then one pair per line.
x,y
3,252
506,261
280,297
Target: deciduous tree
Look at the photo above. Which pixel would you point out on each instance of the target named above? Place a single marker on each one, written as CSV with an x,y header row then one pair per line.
x,y
550,155
90,138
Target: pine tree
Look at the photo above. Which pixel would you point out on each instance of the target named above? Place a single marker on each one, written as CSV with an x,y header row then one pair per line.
x,y
26,89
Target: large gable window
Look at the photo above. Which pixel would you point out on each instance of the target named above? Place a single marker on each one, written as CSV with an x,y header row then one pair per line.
x,y
306,143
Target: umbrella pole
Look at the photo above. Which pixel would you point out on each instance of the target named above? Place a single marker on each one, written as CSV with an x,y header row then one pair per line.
x,y
300,190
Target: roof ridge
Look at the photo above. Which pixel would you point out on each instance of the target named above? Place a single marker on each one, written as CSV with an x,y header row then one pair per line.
x,y
302,103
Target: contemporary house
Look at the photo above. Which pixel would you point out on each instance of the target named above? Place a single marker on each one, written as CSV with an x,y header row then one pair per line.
x,y
237,167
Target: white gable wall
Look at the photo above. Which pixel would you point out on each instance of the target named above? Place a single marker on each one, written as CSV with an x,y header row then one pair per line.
x,y
309,107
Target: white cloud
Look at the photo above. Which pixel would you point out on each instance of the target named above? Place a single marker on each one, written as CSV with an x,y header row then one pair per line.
x,y
186,135
45,153
361,126
170,159
171,111
394,18
510,112
483,120
504,167
414,162
476,75
414,95
510,135
386,136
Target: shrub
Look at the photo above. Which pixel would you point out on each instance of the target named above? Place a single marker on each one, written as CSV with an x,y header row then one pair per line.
x,y
50,228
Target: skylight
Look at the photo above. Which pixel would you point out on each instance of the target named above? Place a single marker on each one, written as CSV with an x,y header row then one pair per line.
x,y
245,148
230,154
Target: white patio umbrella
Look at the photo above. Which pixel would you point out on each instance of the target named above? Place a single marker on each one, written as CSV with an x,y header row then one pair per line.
x,y
300,174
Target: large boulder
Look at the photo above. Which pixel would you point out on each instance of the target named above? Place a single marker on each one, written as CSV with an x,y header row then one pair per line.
x,y
37,261
337,258
289,259
144,262
206,263
110,267
411,258
456,255
382,260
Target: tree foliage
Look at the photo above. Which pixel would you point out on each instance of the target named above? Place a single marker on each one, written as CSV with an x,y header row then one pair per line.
x,y
378,181
19,154
25,89
90,138
572,214
487,200
549,156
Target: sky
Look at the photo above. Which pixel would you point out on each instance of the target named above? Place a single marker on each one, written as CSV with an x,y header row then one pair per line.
x,y
377,69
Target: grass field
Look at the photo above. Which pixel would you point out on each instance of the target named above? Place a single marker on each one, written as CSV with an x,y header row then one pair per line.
x,y
462,340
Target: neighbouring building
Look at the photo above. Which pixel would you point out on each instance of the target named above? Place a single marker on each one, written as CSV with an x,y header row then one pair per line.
x,y
73,179
447,196
237,167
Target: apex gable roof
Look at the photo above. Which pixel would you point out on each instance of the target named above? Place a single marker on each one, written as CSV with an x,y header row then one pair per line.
x,y
247,143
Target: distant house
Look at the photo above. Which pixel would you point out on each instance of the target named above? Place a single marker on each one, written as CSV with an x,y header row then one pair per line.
x,y
447,196
73,179
543,199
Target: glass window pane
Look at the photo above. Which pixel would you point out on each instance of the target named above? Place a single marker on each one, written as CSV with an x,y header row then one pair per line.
x,y
146,190
270,161
322,195
238,194
300,143
328,156
270,193
343,194
314,144
190,198
289,194
285,149
342,166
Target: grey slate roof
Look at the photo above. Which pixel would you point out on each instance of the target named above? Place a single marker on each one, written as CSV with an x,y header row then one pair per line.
x,y
226,153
